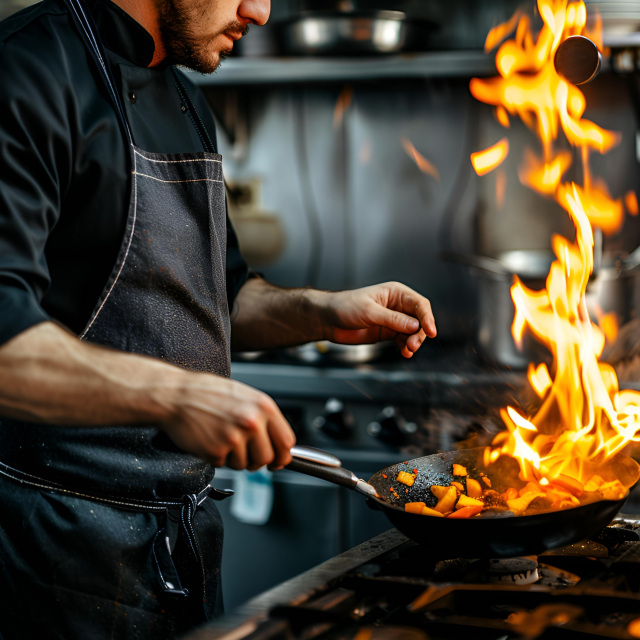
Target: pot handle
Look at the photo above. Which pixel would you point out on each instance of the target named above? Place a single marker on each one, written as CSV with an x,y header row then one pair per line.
x,y
325,466
632,260
479,262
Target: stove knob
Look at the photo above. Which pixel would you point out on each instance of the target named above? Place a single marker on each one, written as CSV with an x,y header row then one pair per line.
x,y
336,422
391,427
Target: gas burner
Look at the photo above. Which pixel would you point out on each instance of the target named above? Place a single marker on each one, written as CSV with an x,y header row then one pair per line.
x,y
588,590
519,571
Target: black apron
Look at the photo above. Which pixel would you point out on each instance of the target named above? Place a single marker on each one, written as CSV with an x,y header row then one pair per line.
x,y
147,539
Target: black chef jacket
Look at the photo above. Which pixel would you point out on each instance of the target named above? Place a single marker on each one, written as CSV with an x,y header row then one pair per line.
x,y
64,166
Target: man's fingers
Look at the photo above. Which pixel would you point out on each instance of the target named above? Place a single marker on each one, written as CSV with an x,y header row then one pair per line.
x,y
282,439
260,451
394,320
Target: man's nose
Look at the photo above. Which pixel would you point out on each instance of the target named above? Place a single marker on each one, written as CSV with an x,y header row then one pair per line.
x,y
256,11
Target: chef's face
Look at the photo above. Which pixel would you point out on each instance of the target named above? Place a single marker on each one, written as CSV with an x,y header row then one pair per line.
x,y
199,33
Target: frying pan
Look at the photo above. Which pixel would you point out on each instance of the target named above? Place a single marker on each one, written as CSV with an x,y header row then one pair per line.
x,y
500,536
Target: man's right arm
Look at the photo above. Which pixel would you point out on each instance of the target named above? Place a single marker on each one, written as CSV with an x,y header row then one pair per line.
x,y
48,375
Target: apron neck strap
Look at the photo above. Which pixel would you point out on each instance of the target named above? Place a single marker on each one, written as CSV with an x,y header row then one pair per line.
x,y
89,32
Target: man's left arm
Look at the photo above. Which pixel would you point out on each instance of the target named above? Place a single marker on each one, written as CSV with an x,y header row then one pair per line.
x,y
266,317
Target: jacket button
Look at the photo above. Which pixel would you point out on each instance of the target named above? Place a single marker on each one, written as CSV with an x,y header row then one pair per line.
x,y
183,108
132,97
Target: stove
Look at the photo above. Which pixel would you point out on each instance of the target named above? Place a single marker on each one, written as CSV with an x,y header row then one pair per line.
x,y
389,587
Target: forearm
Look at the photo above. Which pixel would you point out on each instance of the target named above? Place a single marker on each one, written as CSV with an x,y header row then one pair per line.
x,y
267,317
48,375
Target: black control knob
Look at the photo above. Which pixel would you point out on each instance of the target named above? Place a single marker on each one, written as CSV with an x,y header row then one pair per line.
x,y
391,427
336,421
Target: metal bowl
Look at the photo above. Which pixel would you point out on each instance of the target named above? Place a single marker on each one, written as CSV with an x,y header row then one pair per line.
x,y
355,33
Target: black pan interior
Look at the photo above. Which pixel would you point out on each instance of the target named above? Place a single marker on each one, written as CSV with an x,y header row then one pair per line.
x,y
504,535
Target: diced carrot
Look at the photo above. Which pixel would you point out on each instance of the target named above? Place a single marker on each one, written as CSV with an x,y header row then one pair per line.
x,y
466,501
459,486
439,491
474,490
570,484
520,505
459,470
594,483
448,501
486,480
530,487
467,512
414,507
406,478
431,512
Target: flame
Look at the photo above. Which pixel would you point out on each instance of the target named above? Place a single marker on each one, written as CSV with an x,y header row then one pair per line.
x,y
501,187
485,161
631,202
342,104
502,116
583,418
544,177
423,164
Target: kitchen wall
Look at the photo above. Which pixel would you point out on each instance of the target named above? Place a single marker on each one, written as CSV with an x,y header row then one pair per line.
x,y
356,209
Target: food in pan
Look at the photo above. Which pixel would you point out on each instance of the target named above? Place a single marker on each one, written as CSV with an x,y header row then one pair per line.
x,y
406,478
475,496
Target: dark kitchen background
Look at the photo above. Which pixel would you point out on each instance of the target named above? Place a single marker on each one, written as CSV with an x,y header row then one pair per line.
x,y
324,190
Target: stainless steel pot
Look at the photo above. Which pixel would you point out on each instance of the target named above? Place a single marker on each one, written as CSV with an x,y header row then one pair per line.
x,y
353,33
494,341
616,287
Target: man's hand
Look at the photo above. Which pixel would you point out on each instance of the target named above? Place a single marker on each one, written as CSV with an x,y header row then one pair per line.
x,y
47,375
388,311
265,317
228,424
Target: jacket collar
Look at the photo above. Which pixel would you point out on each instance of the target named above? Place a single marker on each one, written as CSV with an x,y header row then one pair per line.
x,y
121,33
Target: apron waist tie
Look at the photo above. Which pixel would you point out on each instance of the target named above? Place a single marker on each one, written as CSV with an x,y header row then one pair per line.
x,y
179,518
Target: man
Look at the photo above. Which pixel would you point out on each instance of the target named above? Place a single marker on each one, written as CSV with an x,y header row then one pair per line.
x,y
118,273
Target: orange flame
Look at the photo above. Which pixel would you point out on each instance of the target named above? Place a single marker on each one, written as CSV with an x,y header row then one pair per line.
x,y
342,104
485,161
501,187
423,164
631,202
584,418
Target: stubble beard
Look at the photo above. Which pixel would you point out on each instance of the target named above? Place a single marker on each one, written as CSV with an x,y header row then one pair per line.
x,y
179,22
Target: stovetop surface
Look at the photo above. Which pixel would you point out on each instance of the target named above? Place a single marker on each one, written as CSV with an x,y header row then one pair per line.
x,y
588,590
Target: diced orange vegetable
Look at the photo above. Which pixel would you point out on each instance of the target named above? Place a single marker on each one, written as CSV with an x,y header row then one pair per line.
x,y
459,470
406,478
530,487
520,505
448,501
570,484
431,512
466,501
459,486
558,495
467,512
474,490
486,480
438,491
594,483
414,507
613,490
510,494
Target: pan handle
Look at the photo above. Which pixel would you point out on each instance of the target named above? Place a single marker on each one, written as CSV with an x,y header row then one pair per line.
x,y
325,466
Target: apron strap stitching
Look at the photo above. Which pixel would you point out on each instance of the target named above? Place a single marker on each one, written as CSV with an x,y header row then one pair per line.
x,y
144,175
160,505
175,161
126,253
